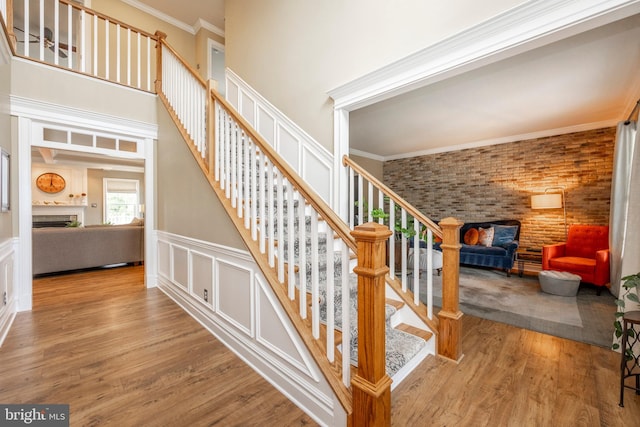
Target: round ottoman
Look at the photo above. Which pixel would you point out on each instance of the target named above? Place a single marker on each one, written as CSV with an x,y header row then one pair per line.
x,y
559,283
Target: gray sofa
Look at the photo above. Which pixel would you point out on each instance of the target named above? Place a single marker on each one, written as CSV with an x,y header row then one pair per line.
x,y
73,248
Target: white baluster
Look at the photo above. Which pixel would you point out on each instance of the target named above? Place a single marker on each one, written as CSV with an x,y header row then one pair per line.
x,y
139,86
352,200
56,32
369,201
416,261
429,273
330,297
247,182
239,171
391,249
291,234
280,222
262,200
346,318
255,196
107,54
315,294
403,259
41,30
361,201
27,28
270,213
118,47
70,35
95,45
129,56
149,64
302,256
233,159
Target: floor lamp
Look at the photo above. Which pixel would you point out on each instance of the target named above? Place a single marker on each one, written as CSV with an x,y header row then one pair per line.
x,y
551,201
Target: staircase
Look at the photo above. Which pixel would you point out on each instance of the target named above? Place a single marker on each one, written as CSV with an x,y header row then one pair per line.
x,y
362,326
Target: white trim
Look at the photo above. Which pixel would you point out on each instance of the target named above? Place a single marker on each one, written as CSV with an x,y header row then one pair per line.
x,y
367,155
191,29
206,25
75,117
296,374
8,312
496,141
23,288
522,28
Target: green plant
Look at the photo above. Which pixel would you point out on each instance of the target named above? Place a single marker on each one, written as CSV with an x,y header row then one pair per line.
x,y
74,224
630,285
379,213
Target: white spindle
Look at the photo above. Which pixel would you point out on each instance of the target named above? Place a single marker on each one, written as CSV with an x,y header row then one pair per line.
x,y
392,239
218,139
139,86
416,261
149,64
106,50
247,182
270,213
302,256
262,200
233,159
70,35
56,32
315,286
369,201
330,300
403,240
239,171
83,41
346,318
118,53
352,199
280,225
380,203
95,45
254,197
129,57
429,273
27,28
361,201
41,30
291,234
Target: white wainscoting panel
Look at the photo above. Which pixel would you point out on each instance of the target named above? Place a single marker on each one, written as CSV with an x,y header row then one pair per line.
x,y
244,314
234,295
7,289
305,155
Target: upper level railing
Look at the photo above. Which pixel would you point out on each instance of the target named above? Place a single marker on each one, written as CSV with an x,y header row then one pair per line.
x,y
73,37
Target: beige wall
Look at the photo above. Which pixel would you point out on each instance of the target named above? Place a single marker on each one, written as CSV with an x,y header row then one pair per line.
x,y
35,82
185,203
293,52
5,138
374,167
95,187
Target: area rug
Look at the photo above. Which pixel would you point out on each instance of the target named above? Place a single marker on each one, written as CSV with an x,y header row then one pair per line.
x,y
517,301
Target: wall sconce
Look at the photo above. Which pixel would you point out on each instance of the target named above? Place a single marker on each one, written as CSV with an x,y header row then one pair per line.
x,y
551,201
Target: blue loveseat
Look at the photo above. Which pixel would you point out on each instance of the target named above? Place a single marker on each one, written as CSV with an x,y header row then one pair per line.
x,y
501,254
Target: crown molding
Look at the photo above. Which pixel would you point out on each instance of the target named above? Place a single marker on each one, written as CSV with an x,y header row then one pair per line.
x,y
191,29
522,28
205,25
56,113
495,141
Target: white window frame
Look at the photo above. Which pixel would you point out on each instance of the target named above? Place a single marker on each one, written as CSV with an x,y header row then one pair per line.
x,y
105,187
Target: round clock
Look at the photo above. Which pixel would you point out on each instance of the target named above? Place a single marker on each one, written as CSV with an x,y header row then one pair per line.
x,y
50,182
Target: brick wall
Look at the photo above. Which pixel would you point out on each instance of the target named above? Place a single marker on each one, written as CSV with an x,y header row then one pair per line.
x,y
496,182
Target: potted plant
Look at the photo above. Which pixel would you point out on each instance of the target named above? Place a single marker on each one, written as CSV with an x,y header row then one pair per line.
x,y
630,285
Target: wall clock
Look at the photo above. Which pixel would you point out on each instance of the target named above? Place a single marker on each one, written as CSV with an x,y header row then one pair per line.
x,y
50,182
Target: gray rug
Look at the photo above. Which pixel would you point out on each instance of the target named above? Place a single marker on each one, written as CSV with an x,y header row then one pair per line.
x,y
517,301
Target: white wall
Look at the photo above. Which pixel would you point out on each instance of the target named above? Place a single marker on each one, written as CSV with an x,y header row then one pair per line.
x,y
293,52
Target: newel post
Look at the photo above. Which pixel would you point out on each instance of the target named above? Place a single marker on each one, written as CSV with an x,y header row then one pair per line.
x,y
371,385
450,325
161,36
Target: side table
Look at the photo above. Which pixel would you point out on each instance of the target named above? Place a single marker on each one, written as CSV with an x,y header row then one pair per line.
x,y
629,365
532,256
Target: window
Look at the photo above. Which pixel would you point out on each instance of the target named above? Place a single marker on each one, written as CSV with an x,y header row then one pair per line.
x,y
121,200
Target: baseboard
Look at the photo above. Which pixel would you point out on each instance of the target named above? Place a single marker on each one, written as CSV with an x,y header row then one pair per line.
x,y
6,320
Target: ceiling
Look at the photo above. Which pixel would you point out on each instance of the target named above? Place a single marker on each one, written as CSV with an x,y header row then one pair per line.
x,y
583,82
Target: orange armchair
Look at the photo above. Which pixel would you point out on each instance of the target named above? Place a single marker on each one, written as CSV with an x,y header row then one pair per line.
x,y
585,253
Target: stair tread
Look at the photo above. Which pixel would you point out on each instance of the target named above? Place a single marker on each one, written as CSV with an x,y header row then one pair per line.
x,y
394,303
421,333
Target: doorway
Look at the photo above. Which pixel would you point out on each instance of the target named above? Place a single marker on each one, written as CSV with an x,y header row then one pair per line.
x,y
215,54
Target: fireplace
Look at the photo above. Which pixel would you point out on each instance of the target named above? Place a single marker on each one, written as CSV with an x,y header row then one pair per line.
x,y
40,221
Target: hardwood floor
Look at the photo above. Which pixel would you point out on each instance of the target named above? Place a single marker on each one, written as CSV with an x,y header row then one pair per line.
x,y
516,377
123,355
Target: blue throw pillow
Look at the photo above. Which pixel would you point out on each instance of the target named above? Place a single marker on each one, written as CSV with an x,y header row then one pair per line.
x,y
504,234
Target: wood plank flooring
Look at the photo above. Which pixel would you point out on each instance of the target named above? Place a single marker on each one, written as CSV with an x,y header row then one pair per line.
x,y
515,377
123,355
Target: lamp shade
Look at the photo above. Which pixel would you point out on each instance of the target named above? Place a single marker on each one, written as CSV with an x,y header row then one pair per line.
x,y
546,201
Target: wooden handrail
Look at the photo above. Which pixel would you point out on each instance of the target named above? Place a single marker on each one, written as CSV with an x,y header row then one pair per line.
x,y
8,27
328,215
347,161
193,72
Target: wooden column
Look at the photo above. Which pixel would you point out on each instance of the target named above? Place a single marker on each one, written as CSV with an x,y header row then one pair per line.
x,y
371,385
450,329
161,36
9,21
